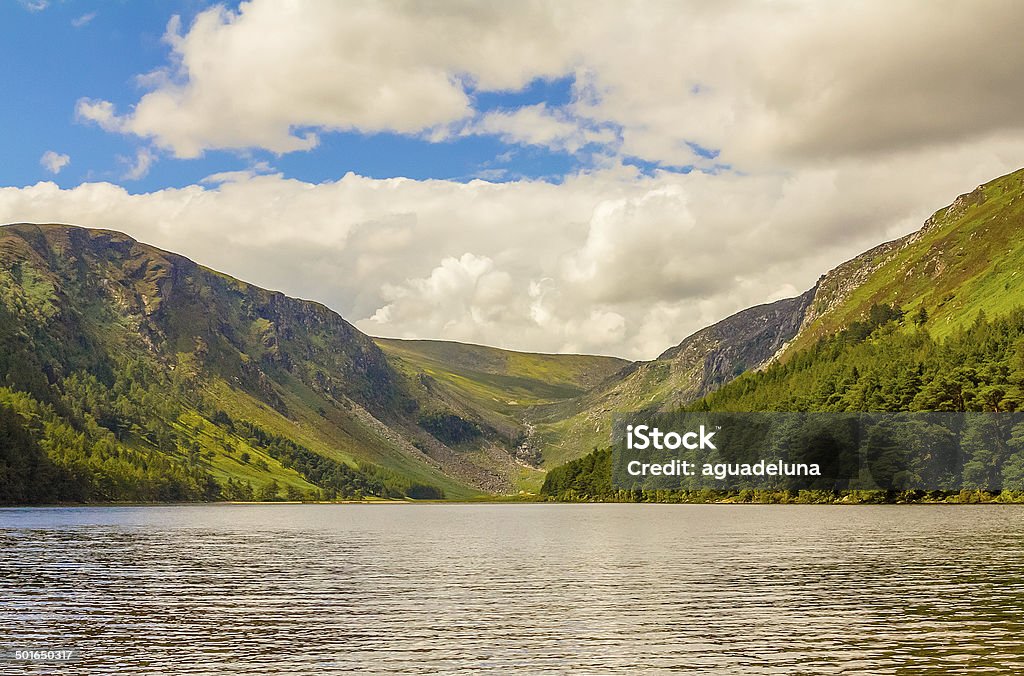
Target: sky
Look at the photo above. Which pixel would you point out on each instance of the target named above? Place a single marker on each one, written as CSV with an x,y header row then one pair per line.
x,y
595,177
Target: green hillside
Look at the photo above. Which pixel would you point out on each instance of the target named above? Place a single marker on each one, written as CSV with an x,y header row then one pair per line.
x,y
887,363
929,322
129,373
501,388
969,256
700,363
502,381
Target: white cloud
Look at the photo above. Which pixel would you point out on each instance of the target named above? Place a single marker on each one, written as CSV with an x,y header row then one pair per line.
x,y
846,122
537,125
271,74
53,161
34,5
99,112
138,168
781,84
771,85
458,298
256,169
84,20
607,262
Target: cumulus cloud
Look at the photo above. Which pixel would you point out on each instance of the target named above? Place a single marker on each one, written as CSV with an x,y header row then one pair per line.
x,y
766,84
830,127
53,161
138,168
606,262
271,75
99,112
782,83
457,298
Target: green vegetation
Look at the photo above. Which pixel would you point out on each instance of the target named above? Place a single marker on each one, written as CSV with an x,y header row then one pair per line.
x,y
499,387
505,395
884,363
503,380
134,441
700,363
969,257
450,428
131,374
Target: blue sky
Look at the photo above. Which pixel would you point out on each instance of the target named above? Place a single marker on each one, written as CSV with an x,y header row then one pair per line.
x,y
647,168
55,55
49,63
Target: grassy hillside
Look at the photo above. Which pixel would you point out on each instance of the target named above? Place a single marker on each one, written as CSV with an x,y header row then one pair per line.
x,y
969,256
501,388
931,322
127,372
137,374
502,381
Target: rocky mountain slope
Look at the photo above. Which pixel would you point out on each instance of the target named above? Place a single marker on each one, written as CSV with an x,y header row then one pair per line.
x,y
127,372
501,390
967,257
149,360
700,363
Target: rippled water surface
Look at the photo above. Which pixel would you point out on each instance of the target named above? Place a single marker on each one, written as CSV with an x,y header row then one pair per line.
x,y
303,589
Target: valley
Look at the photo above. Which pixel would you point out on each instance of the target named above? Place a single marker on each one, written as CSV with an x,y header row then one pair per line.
x,y
132,373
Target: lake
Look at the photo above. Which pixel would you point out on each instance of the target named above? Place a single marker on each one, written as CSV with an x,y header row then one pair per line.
x,y
517,588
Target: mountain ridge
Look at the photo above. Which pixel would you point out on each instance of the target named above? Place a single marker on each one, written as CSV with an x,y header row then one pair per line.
x,y
280,396
949,267
84,302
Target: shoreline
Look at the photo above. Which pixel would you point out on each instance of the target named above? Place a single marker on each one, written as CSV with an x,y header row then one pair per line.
x,y
730,503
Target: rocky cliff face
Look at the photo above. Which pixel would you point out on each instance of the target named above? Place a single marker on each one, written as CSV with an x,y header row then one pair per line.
x,y
746,340
699,364
172,305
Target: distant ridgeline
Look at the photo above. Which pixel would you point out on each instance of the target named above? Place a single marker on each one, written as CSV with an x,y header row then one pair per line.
x,y
132,373
890,362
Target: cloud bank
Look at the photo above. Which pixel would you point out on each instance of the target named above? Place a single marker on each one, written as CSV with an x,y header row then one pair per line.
x,y
816,130
608,262
764,83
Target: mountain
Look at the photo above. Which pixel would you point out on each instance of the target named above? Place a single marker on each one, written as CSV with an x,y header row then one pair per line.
x,y
135,373
967,257
933,321
131,373
699,364
502,389
499,387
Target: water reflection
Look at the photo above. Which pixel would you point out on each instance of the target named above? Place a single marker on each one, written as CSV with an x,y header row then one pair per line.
x,y
505,588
